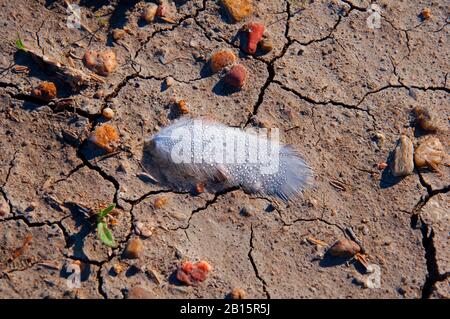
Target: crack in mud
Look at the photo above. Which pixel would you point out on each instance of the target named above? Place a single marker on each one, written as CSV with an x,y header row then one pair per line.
x,y
427,233
356,106
317,219
433,275
72,171
300,220
125,81
328,36
332,102
99,264
11,166
255,268
38,38
271,67
34,224
202,208
271,64
52,105
105,176
178,24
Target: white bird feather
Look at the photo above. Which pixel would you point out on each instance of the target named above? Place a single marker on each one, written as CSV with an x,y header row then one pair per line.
x,y
201,151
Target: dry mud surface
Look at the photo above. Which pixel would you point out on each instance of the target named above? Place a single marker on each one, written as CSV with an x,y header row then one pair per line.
x,y
340,92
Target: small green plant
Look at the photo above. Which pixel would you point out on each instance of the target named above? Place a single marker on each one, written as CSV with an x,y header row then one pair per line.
x,y
19,44
104,233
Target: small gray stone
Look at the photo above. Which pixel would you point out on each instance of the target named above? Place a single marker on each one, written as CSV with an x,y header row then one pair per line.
x,y
142,230
403,158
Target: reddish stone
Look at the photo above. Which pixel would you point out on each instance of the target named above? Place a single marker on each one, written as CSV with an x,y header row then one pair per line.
x,y
254,33
237,76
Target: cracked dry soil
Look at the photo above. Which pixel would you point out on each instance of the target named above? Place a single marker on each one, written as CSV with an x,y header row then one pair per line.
x,y
331,84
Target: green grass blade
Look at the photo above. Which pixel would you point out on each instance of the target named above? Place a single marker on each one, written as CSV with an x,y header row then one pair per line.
x,y
105,235
20,45
106,211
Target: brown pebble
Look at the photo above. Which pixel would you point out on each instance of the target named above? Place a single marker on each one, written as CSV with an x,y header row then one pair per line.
x,y
108,113
182,107
142,230
45,91
149,13
344,248
403,163
118,34
117,268
426,13
160,202
105,136
101,62
427,119
169,81
139,293
430,152
265,45
238,9
162,10
134,248
236,77
237,294
221,59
